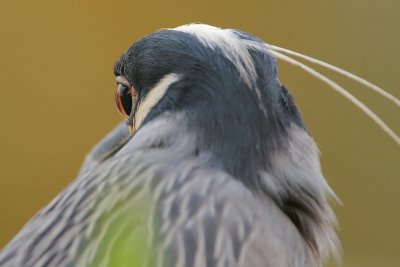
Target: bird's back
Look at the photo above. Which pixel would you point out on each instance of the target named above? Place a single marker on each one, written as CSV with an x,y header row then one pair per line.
x,y
162,214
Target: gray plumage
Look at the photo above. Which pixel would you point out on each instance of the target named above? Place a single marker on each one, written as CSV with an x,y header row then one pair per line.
x,y
195,209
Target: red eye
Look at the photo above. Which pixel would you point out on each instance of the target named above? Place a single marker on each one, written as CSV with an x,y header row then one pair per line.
x,y
124,100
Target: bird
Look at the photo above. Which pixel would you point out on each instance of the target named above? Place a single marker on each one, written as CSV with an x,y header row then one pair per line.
x,y
212,166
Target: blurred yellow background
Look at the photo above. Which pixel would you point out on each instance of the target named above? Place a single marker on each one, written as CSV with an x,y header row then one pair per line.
x,y
57,89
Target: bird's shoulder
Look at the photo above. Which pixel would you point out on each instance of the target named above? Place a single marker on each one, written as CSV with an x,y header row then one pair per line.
x,y
144,208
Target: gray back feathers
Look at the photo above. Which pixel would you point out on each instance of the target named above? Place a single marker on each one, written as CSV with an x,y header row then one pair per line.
x,y
193,215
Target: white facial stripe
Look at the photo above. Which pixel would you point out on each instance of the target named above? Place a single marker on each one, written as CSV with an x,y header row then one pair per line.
x,y
154,96
233,48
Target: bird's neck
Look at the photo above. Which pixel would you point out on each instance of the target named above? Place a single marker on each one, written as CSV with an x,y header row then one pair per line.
x,y
291,175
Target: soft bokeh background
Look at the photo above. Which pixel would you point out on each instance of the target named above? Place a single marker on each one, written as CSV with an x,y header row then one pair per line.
x,y
57,86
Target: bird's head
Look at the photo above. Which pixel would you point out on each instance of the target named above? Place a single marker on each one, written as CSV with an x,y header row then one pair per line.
x,y
222,83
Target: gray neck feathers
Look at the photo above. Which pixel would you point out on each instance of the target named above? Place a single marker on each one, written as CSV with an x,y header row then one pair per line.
x,y
293,180
174,137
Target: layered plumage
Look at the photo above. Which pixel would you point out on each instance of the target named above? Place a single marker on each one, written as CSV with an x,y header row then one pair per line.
x,y
219,171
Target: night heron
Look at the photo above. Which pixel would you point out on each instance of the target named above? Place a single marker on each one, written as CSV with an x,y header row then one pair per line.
x,y
215,167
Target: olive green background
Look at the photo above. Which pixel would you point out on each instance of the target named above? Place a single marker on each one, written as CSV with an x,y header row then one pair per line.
x,y
57,89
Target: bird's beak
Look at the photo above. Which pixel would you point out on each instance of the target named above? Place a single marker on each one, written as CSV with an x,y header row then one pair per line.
x,y
130,121
132,129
